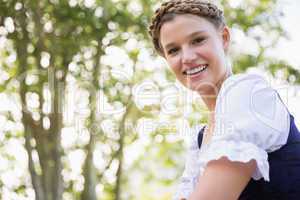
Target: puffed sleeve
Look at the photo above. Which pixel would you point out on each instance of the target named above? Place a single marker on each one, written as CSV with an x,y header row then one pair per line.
x,y
250,121
189,178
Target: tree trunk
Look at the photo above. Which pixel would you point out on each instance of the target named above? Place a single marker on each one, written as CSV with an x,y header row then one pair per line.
x,y
89,171
48,183
22,54
120,154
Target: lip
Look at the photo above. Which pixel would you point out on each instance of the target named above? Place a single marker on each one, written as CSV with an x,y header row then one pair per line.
x,y
196,77
194,66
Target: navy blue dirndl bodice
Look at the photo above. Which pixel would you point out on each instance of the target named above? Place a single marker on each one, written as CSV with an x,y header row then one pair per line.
x,y
284,173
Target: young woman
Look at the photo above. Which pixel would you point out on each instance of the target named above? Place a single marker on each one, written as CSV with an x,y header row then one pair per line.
x,y
250,148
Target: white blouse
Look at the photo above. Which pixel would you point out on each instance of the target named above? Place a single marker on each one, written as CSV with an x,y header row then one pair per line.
x,y
250,122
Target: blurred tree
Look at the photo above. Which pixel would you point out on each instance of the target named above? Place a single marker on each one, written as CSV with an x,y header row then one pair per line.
x,y
62,54
46,36
260,24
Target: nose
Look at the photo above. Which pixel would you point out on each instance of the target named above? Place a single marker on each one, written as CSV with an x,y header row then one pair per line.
x,y
188,55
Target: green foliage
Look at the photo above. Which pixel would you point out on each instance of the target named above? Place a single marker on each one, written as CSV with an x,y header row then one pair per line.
x,y
76,38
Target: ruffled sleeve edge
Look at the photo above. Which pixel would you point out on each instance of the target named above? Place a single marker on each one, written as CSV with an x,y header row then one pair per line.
x,y
237,151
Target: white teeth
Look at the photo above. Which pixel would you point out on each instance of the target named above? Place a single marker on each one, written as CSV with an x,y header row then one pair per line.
x,y
195,70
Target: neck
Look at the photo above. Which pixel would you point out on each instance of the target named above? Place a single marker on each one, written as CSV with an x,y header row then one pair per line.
x,y
210,97
210,101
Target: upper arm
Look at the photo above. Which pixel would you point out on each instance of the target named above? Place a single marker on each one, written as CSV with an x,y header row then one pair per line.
x,y
223,180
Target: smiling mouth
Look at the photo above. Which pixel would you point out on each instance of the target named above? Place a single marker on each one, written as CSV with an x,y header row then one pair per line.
x,y
195,70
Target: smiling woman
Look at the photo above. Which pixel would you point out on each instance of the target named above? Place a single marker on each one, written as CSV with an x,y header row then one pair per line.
x,y
195,50
251,146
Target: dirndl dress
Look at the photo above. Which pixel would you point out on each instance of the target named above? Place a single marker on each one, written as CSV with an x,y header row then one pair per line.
x,y
251,123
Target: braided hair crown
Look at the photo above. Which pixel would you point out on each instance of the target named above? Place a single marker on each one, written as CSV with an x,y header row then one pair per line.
x,y
168,10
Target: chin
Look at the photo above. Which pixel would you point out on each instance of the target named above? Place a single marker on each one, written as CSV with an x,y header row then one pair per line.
x,y
204,88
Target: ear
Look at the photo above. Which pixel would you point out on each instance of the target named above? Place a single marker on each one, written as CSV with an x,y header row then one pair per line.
x,y
226,38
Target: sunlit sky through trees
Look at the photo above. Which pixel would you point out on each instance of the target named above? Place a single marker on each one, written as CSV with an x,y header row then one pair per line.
x,y
76,132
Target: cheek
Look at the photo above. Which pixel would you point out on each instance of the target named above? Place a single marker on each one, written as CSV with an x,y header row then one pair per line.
x,y
207,51
174,64
217,55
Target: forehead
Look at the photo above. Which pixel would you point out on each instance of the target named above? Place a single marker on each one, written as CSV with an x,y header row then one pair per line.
x,y
183,26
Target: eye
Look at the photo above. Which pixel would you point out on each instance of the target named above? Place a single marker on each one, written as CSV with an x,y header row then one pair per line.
x,y
198,40
172,51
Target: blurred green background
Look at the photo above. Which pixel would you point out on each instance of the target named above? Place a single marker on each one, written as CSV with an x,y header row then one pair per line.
x,y
89,111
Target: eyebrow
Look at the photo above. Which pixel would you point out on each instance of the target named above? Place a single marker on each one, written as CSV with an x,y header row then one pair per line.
x,y
189,36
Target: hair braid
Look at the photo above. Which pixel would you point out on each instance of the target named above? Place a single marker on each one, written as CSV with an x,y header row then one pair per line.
x,y
169,9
